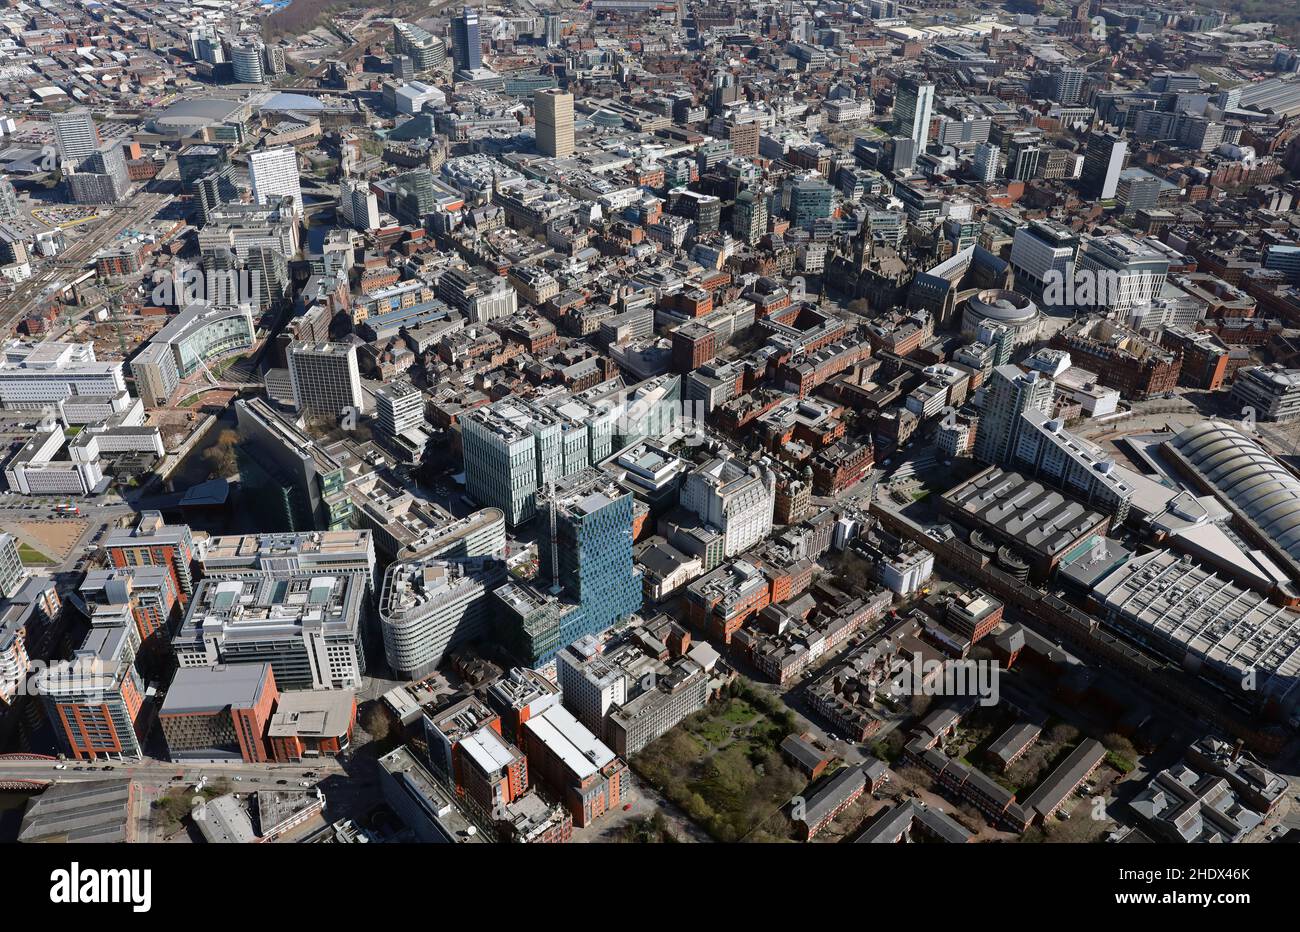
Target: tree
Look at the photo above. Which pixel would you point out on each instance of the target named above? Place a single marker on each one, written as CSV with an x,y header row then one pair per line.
x,y
1120,745
375,722
1063,734
220,457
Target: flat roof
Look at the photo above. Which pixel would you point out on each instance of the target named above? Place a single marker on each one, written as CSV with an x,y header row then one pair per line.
x,y
208,689
581,751
326,713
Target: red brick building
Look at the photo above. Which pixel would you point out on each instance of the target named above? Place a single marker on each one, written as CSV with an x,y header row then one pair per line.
x,y
310,724
841,466
212,713
574,764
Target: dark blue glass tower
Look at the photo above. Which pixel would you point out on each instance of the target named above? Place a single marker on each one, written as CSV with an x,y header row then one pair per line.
x,y
586,579
467,40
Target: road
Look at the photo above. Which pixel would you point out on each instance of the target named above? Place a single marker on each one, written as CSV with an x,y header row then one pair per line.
x,y
161,772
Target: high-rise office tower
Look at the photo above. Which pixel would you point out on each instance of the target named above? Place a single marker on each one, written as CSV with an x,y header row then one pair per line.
x,y
587,580
205,46
246,63
1042,251
913,107
1141,191
359,205
429,606
1010,392
274,172
256,276
553,110
212,190
1067,84
744,138
1024,155
899,154
399,407
811,199
403,68
725,91
552,27
415,195
988,159
76,134
1124,270
196,161
268,272
467,40
325,378
12,572
273,60
13,247
1102,163
585,546
749,217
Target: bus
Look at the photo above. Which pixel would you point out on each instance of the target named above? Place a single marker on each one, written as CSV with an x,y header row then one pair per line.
x,y
67,510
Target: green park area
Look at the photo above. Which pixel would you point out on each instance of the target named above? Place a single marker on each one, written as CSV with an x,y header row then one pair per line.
x,y
723,765
30,556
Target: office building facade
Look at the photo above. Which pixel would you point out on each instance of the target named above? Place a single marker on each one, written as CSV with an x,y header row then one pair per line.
x,y
913,109
273,173
326,380
467,40
553,111
1103,161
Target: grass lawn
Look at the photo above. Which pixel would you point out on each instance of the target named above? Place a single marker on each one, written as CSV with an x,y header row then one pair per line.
x,y
739,712
723,765
32,557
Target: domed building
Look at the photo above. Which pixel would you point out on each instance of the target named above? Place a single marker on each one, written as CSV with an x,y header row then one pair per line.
x,y
1000,306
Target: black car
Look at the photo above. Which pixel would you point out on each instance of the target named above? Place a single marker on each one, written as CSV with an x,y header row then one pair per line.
x,y
281,782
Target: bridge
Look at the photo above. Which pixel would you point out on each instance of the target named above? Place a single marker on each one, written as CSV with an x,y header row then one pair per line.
x,y
24,786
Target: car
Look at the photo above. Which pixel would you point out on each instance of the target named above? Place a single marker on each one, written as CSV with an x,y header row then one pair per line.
x,y
281,782
627,808
107,767
60,766
78,768
304,783
239,779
